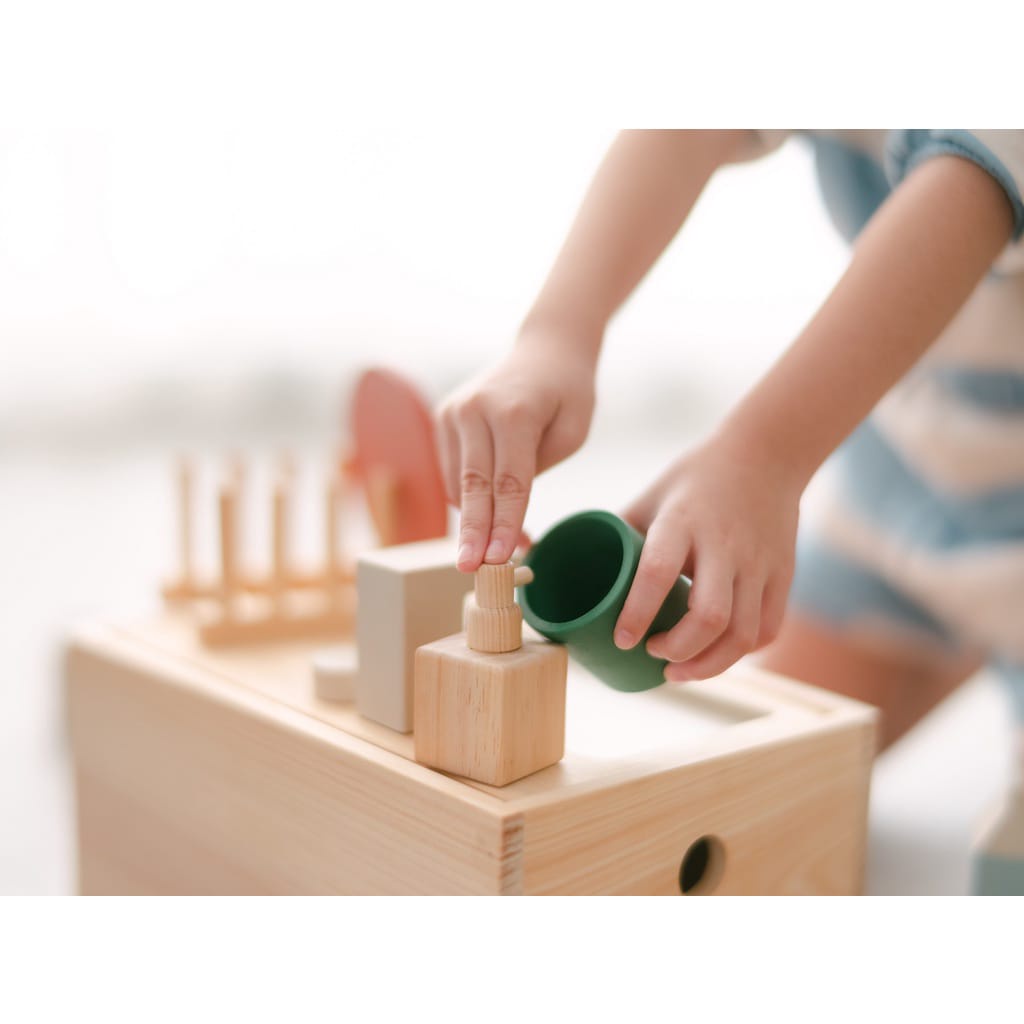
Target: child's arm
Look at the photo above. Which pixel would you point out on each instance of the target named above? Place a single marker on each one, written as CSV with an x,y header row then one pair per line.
x,y
726,513
642,192
534,409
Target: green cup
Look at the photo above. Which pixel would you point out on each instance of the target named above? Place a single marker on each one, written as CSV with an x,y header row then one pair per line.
x,y
583,568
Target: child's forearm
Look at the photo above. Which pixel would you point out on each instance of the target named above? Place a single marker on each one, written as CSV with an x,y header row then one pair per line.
x,y
914,266
641,194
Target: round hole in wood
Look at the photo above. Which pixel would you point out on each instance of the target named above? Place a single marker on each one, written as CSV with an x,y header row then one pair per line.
x,y
701,868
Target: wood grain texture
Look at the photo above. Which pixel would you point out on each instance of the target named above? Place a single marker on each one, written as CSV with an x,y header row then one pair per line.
x,y
792,820
204,770
493,630
492,619
494,718
187,788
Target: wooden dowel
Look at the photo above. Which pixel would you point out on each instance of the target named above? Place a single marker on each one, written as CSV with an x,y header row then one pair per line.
x,y
186,477
237,472
280,540
331,513
382,498
228,548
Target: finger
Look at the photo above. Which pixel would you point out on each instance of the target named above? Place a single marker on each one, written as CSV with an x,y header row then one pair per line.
x,y
662,555
515,454
641,513
709,611
739,639
447,438
475,483
773,608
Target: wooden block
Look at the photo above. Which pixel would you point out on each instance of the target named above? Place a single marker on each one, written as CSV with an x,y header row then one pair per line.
x,y
220,771
334,673
409,595
491,717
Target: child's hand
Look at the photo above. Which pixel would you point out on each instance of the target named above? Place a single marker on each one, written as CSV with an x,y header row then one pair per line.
x,y
728,522
501,430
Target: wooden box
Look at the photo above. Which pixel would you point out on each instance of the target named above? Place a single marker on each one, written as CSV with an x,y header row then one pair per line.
x,y
203,771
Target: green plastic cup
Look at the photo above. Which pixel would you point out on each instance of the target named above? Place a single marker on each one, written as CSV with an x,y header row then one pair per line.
x,y
583,568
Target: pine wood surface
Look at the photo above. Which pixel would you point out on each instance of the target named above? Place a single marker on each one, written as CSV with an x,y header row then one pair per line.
x,y
493,630
220,770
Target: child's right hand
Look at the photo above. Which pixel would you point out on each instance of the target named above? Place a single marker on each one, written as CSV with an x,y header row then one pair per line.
x,y
503,428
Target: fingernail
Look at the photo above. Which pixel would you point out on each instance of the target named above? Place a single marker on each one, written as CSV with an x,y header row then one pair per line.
x,y
654,651
624,639
464,555
495,552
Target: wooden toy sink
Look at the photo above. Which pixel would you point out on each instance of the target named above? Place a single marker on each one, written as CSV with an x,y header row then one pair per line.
x,y
220,771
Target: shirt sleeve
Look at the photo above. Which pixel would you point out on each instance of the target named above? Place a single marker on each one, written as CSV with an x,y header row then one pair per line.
x,y
999,153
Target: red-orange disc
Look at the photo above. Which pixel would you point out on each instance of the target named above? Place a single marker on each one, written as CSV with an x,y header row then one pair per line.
x,y
393,432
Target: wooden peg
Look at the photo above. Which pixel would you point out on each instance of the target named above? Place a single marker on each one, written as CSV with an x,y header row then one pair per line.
x,y
338,497
382,499
186,490
494,622
237,472
495,584
331,545
229,582
286,466
280,539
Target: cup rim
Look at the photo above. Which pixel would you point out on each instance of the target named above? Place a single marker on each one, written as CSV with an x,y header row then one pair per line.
x,y
568,626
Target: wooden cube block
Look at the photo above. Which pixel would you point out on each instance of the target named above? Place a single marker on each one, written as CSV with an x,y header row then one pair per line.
x,y
408,596
490,717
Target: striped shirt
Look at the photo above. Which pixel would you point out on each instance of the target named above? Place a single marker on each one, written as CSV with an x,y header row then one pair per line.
x,y
928,493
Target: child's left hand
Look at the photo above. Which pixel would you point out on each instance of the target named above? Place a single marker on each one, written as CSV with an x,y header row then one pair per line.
x,y
728,521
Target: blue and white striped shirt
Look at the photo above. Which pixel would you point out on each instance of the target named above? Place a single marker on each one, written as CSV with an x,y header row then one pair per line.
x,y
929,492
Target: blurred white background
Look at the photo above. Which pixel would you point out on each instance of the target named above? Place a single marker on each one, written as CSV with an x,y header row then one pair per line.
x,y
206,262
